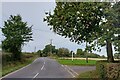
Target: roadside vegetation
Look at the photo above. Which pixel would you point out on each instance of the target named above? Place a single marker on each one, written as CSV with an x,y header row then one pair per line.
x,y
81,23
16,33
89,74
104,70
95,24
10,66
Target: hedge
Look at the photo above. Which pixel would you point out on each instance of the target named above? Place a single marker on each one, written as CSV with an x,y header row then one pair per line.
x,y
107,70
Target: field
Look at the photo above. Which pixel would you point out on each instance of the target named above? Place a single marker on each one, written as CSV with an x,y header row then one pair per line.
x,y
77,62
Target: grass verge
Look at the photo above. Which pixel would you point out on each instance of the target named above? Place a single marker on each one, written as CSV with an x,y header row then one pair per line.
x,y
12,66
77,62
89,74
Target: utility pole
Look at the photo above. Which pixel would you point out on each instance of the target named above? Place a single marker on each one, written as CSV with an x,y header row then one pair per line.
x,y
35,49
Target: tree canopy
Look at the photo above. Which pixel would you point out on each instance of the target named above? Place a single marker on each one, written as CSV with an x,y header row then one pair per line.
x,y
16,33
85,22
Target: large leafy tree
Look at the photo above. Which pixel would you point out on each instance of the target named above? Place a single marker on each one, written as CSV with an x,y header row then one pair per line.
x,y
16,33
49,49
116,24
63,52
84,22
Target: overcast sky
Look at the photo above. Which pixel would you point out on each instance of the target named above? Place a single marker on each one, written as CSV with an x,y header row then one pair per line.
x,y
33,13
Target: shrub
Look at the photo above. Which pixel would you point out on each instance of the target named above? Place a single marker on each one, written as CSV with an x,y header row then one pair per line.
x,y
107,70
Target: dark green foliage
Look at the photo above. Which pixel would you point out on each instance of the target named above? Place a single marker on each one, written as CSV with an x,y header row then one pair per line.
x,y
102,72
94,23
107,70
6,58
39,53
48,50
16,33
101,69
78,21
116,9
117,56
63,52
81,53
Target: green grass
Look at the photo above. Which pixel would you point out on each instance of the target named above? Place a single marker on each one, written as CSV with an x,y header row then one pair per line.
x,y
0,70
89,74
12,66
77,62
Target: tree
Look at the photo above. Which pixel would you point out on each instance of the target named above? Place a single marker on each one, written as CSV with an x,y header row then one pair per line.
x,y
110,28
117,55
84,22
16,33
80,53
63,52
49,49
39,53
0,46
116,24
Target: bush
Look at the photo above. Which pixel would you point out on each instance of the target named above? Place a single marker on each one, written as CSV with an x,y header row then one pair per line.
x,y
108,70
6,58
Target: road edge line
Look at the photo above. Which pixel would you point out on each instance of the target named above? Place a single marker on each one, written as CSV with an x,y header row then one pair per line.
x,y
17,70
68,71
72,70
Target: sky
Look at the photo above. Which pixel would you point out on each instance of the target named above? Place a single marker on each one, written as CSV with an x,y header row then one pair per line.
x,y
33,13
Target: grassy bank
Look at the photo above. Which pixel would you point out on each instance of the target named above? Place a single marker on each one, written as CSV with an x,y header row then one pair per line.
x,y
15,65
77,62
89,74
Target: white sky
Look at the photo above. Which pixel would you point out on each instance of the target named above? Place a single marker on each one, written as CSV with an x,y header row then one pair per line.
x,y
59,0
33,13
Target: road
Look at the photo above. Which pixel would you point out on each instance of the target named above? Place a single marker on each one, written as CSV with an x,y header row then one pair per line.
x,y
42,68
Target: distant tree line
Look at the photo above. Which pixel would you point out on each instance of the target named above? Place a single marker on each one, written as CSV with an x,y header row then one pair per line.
x,y
65,52
81,53
51,50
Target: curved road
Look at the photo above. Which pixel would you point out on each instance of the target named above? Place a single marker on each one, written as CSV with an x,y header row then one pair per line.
x,y
43,68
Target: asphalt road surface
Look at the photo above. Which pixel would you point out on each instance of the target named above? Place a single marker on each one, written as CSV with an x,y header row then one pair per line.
x,y
44,68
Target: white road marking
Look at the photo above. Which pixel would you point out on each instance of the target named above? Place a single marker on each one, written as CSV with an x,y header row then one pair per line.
x,y
44,62
36,75
42,67
17,70
68,71
72,70
14,72
62,65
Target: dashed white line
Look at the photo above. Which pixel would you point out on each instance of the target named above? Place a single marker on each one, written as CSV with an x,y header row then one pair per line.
x,y
44,62
36,75
42,67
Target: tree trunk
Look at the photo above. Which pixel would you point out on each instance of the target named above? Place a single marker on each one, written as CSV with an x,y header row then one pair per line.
x,y
86,59
109,51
